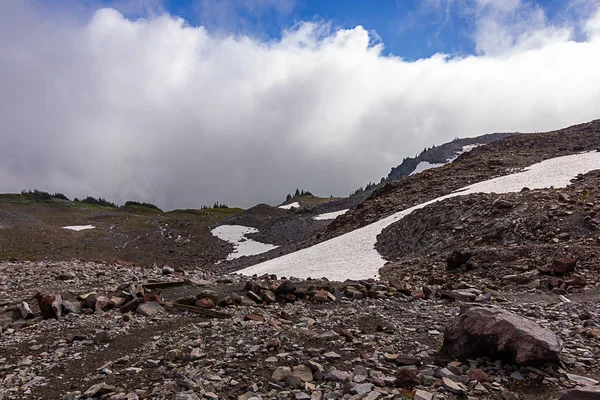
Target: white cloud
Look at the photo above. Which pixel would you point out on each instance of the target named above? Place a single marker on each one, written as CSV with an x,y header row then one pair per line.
x,y
160,111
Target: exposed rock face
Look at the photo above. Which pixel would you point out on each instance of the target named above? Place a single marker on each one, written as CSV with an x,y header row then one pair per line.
x,y
496,332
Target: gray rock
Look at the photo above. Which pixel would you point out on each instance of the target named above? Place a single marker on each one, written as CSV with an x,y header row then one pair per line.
x,y
423,395
150,309
280,374
453,387
584,393
362,388
480,331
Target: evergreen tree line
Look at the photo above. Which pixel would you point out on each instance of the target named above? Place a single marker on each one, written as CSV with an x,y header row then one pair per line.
x,y
216,205
41,195
298,193
361,189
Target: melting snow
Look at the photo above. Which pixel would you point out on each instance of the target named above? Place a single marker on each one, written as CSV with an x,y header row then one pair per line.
x,y
290,206
331,215
79,227
353,255
242,246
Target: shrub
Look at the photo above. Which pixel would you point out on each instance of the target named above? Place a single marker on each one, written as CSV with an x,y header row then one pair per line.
x,y
99,201
137,203
37,194
60,196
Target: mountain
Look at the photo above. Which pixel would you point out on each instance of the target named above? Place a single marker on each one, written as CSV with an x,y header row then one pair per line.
x,y
439,155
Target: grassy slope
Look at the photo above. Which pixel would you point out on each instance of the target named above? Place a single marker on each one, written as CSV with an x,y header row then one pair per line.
x,y
32,230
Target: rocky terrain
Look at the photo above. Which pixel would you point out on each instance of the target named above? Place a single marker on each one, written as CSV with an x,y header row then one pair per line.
x,y
120,332
484,296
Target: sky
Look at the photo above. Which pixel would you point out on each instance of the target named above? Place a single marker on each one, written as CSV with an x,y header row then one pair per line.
x,y
184,103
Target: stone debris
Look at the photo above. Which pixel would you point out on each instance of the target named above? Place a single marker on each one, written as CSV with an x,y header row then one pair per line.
x,y
367,339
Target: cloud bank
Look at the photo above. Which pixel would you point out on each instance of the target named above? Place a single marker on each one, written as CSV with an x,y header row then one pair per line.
x,y
157,110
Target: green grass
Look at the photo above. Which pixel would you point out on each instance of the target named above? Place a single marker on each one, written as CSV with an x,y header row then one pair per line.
x,y
14,198
211,213
139,210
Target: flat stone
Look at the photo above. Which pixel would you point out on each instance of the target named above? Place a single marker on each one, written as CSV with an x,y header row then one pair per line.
x,y
362,388
150,309
423,395
303,372
454,387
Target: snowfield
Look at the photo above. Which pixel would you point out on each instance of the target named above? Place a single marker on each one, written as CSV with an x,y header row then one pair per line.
x,y
79,227
290,206
331,215
242,246
353,255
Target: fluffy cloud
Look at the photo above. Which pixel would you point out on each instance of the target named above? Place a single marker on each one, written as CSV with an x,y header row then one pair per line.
x,y
160,111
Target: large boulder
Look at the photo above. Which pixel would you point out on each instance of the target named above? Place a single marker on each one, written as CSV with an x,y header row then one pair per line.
x,y
582,393
493,331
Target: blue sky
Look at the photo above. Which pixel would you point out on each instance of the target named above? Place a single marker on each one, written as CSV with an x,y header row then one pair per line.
x,y
411,29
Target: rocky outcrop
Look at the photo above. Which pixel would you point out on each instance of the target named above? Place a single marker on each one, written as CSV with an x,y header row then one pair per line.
x,y
481,331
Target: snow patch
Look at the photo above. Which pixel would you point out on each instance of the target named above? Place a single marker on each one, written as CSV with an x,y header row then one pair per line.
x,y
424,166
242,246
290,206
79,227
353,255
331,215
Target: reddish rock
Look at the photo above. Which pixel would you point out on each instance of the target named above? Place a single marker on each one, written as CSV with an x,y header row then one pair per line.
x,y
386,327
289,298
436,280
103,303
407,378
418,294
481,331
208,294
268,296
205,303
563,265
320,296
45,301
401,286
555,282
593,333
408,360
347,335
576,281
479,376
255,318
